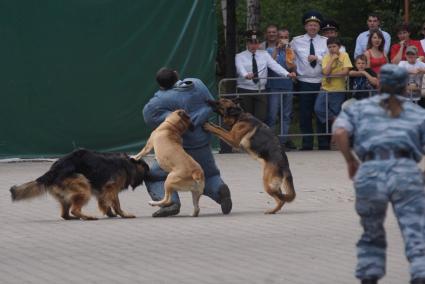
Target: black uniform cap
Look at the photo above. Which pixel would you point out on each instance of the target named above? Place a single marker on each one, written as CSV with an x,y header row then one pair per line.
x,y
312,16
329,25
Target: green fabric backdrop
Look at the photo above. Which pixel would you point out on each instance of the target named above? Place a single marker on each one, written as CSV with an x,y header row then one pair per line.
x,y
76,73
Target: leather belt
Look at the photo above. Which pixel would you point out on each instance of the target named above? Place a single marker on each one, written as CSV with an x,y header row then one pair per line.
x,y
387,154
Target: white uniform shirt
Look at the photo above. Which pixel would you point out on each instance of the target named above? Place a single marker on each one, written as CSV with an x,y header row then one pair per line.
x,y
301,47
243,61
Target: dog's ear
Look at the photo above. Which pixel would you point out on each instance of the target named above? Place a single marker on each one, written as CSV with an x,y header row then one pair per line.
x,y
233,111
183,114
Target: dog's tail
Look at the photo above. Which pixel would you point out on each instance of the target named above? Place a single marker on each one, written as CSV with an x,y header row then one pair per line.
x,y
27,190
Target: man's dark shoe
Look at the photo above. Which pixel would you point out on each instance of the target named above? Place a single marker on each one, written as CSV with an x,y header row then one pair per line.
x,y
171,210
225,200
370,281
418,281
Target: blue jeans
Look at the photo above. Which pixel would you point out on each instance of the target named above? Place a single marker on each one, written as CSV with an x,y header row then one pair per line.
x,y
284,103
213,181
333,107
307,102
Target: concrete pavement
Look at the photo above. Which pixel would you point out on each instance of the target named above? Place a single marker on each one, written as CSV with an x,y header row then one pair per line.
x,y
311,241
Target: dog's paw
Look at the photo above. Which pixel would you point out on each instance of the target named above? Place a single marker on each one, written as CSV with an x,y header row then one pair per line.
x,y
90,218
153,203
128,216
270,211
195,212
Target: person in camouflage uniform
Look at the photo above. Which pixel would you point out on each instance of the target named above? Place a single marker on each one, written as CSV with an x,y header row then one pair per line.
x,y
387,133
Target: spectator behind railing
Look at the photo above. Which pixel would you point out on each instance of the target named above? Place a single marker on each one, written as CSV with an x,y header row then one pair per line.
x,y
329,28
309,51
416,70
361,78
398,50
278,47
328,103
251,65
373,23
376,57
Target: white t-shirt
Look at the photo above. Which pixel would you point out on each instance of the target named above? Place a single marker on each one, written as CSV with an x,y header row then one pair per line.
x,y
414,79
417,78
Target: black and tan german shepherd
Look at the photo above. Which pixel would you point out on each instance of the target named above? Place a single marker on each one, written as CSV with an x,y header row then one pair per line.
x,y
258,140
72,180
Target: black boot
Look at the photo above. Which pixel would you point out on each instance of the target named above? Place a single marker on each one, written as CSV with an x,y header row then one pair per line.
x,y
370,281
225,200
418,281
171,210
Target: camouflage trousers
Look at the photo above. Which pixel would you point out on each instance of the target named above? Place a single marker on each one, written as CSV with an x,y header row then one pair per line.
x,y
378,183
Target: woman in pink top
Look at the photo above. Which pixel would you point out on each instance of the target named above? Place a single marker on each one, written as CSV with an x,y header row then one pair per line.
x,y
375,51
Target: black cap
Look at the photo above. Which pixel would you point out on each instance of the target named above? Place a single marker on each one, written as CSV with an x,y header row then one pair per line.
x,y
329,25
252,35
312,16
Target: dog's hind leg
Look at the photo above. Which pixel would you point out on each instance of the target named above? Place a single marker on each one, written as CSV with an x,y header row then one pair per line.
x,y
196,195
169,183
80,190
271,185
58,194
105,206
65,206
78,201
288,186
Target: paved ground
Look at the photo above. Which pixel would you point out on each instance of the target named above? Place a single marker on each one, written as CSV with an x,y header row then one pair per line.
x,y
311,241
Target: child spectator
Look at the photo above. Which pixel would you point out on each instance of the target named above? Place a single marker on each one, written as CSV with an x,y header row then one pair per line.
x,y
375,51
362,78
337,65
416,70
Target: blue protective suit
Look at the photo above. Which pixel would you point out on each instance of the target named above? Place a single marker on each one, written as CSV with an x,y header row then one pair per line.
x,y
191,95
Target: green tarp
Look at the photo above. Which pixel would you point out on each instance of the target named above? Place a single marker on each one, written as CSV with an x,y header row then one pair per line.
x,y
76,73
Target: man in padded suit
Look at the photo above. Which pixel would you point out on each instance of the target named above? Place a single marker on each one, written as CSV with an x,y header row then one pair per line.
x,y
191,95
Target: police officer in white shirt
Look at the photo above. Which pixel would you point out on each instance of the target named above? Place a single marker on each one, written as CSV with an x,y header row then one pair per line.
x,y
329,28
251,67
309,50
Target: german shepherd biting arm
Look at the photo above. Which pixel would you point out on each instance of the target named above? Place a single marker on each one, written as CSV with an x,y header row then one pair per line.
x,y
258,140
